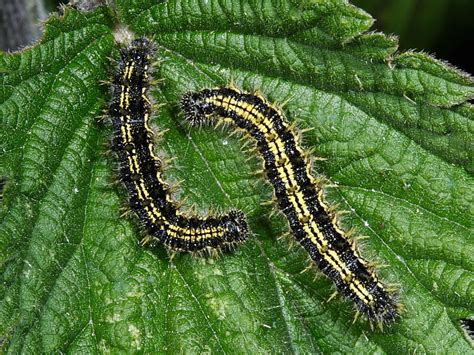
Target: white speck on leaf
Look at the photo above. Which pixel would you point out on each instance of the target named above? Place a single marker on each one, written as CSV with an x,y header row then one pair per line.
x,y
115,318
135,333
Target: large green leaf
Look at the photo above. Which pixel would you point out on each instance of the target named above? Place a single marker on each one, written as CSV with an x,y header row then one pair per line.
x,y
396,131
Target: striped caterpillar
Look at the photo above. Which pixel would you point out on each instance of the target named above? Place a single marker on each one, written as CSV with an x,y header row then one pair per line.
x,y
299,197
140,169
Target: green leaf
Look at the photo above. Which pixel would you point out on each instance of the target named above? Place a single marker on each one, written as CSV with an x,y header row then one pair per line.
x,y
396,130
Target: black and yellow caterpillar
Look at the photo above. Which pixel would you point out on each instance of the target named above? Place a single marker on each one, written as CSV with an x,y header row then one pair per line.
x,y
140,169
299,196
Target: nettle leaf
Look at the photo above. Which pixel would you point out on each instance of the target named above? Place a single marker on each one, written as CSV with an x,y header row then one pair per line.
x,y
396,132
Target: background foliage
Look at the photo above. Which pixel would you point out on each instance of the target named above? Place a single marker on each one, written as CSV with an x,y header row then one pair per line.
x,y
442,27
396,131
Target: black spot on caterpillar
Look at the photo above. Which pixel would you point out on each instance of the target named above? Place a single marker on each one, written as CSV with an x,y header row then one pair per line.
x,y
3,182
298,194
140,169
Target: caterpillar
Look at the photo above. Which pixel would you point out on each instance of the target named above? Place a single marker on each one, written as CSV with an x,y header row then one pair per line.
x,y
298,193
140,170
